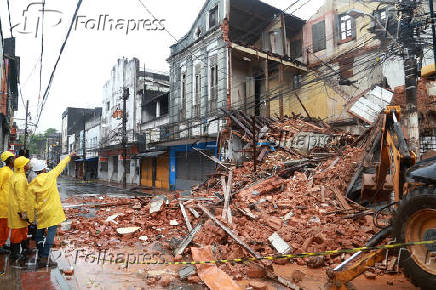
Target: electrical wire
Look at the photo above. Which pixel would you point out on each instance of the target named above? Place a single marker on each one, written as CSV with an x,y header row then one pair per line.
x,y
47,90
10,22
226,72
42,54
271,97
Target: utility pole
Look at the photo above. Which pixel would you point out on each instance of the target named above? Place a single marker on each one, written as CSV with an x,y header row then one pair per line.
x,y
124,139
84,146
26,127
430,2
410,73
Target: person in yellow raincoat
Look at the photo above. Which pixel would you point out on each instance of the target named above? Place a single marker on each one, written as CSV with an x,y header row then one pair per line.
x,y
5,174
49,211
19,215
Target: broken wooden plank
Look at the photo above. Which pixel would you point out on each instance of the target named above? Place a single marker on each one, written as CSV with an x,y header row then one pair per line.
x,y
230,233
188,239
247,212
194,212
227,193
213,158
185,216
236,120
322,193
340,198
263,132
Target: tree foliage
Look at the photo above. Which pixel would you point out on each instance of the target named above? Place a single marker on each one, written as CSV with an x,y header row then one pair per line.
x,y
37,143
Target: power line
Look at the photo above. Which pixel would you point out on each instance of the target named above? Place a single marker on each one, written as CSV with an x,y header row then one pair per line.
x,y
47,90
10,22
290,6
273,94
42,54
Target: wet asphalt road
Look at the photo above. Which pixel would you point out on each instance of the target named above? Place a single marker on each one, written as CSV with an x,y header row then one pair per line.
x,y
70,187
13,278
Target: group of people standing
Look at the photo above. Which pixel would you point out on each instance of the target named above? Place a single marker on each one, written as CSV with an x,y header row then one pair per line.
x,y
29,199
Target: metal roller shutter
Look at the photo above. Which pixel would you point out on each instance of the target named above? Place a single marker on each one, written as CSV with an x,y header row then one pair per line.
x,y
192,168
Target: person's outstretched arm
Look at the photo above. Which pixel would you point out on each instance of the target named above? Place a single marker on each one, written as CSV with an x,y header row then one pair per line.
x,y
61,166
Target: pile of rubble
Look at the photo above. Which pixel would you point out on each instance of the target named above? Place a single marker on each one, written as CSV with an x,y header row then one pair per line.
x,y
294,201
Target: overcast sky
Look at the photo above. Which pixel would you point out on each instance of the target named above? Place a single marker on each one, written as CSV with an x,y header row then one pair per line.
x,y
90,54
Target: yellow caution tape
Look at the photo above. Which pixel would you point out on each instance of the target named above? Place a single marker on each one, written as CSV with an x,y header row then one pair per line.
x,y
279,257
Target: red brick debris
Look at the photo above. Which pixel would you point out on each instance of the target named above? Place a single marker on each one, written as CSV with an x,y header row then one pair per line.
x,y
306,207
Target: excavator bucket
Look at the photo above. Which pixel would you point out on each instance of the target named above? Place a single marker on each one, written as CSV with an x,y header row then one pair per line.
x,y
369,192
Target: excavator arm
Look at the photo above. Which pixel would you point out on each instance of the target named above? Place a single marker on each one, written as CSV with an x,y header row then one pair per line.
x,y
394,156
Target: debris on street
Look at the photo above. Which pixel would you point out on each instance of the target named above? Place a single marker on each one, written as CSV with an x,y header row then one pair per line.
x,y
295,201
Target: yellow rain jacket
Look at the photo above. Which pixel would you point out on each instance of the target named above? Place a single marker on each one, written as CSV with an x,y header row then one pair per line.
x,y
48,201
5,175
19,200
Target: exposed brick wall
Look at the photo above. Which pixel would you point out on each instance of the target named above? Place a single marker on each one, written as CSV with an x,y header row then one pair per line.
x,y
426,104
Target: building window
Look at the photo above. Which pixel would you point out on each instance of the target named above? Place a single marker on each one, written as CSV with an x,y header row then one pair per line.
x,y
213,17
318,36
296,49
183,109
384,20
197,95
346,27
276,42
213,88
297,81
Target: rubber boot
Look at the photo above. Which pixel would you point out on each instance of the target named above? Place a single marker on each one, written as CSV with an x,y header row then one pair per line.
x,y
25,247
46,262
15,252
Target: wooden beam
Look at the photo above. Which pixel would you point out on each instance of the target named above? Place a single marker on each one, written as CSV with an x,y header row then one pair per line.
x,y
230,233
247,131
264,55
188,239
185,216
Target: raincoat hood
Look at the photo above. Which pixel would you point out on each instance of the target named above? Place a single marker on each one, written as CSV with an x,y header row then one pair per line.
x,y
5,155
20,162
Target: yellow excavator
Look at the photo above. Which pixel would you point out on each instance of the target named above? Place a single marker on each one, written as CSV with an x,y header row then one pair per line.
x,y
410,187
